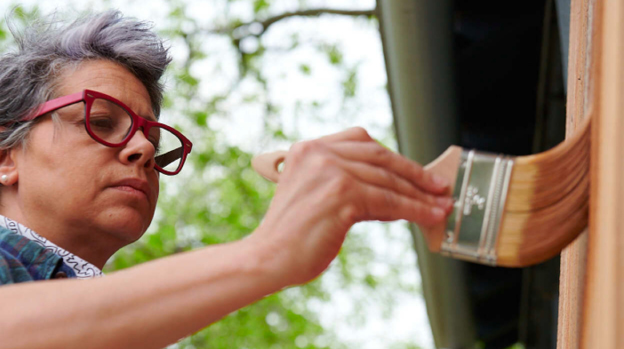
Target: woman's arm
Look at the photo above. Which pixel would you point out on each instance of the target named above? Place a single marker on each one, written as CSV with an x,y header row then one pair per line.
x,y
147,306
327,186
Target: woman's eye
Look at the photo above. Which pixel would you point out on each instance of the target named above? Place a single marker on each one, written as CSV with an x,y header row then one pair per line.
x,y
155,143
101,122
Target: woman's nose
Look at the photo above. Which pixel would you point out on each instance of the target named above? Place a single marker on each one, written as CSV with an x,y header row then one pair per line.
x,y
138,150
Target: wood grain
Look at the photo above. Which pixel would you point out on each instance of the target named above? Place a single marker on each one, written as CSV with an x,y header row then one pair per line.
x,y
573,257
603,319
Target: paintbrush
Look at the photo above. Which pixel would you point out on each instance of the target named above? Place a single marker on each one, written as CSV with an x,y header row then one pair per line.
x,y
508,211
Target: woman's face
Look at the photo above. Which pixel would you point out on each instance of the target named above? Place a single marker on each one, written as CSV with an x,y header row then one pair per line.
x,y
66,179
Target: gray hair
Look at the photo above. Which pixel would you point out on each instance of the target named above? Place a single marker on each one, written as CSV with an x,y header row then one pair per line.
x,y
48,47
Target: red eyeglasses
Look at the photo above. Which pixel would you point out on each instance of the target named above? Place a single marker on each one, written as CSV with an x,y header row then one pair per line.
x,y
111,123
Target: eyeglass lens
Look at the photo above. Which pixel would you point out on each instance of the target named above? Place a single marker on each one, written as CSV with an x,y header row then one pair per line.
x,y
111,123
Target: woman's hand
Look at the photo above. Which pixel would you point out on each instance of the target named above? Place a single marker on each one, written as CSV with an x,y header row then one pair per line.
x,y
327,185
331,183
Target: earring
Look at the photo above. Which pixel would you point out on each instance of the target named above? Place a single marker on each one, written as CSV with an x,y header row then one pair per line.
x,y
4,178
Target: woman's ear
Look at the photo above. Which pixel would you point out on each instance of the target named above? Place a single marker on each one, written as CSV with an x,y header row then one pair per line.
x,y
8,167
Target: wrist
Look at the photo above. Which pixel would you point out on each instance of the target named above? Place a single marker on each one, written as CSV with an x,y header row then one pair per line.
x,y
266,260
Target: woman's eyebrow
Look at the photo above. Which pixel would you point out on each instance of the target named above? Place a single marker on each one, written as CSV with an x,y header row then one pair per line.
x,y
149,117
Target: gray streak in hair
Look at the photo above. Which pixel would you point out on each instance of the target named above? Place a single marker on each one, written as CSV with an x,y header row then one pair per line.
x,y
49,47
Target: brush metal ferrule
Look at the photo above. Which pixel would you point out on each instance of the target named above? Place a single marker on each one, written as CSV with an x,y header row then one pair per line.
x,y
480,194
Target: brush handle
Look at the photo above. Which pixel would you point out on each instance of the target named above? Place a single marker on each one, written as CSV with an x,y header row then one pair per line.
x,y
446,165
267,164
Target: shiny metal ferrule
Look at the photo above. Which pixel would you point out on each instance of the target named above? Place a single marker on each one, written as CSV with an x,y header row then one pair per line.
x,y
480,194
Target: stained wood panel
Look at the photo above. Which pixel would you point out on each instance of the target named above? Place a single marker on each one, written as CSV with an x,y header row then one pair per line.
x,y
603,317
592,271
573,257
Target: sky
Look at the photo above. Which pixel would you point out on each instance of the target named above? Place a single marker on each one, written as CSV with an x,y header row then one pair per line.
x,y
362,49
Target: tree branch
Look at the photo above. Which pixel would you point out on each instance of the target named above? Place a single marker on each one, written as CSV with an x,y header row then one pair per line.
x,y
301,13
314,13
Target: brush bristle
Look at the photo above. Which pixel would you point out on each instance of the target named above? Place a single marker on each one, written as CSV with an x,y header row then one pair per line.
x,y
547,203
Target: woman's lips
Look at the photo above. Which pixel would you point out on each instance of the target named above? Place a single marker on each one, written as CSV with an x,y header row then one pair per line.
x,y
134,186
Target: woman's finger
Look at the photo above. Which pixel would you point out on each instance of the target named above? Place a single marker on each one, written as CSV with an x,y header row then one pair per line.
x,y
357,134
374,154
385,179
357,145
386,205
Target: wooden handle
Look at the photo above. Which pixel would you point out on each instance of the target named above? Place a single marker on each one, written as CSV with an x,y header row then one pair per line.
x,y
267,165
445,165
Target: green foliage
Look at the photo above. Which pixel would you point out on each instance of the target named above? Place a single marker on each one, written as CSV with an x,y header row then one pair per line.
x,y
305,69
334,54
405,346
260,5
350,83
267,324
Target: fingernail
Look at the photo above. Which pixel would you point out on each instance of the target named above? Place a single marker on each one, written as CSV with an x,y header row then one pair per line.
x,y
444,202
438,213
440,181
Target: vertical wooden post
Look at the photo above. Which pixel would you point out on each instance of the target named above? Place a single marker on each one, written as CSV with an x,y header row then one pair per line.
x,y
603,320
573,258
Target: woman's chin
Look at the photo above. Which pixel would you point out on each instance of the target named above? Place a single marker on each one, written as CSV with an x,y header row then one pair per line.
x,y
127,227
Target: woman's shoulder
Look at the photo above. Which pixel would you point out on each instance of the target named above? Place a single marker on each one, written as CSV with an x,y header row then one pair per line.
x,y
23,260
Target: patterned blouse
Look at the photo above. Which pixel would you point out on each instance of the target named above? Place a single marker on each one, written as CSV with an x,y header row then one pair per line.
x,y
27,256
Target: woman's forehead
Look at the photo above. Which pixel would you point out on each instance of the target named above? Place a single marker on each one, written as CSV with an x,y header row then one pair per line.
x,y
108,78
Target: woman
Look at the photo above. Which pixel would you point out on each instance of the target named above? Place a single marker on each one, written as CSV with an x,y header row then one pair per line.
x,y
82,153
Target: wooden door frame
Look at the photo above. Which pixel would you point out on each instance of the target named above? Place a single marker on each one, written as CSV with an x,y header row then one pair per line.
x,y
591,307
603,309
574,257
